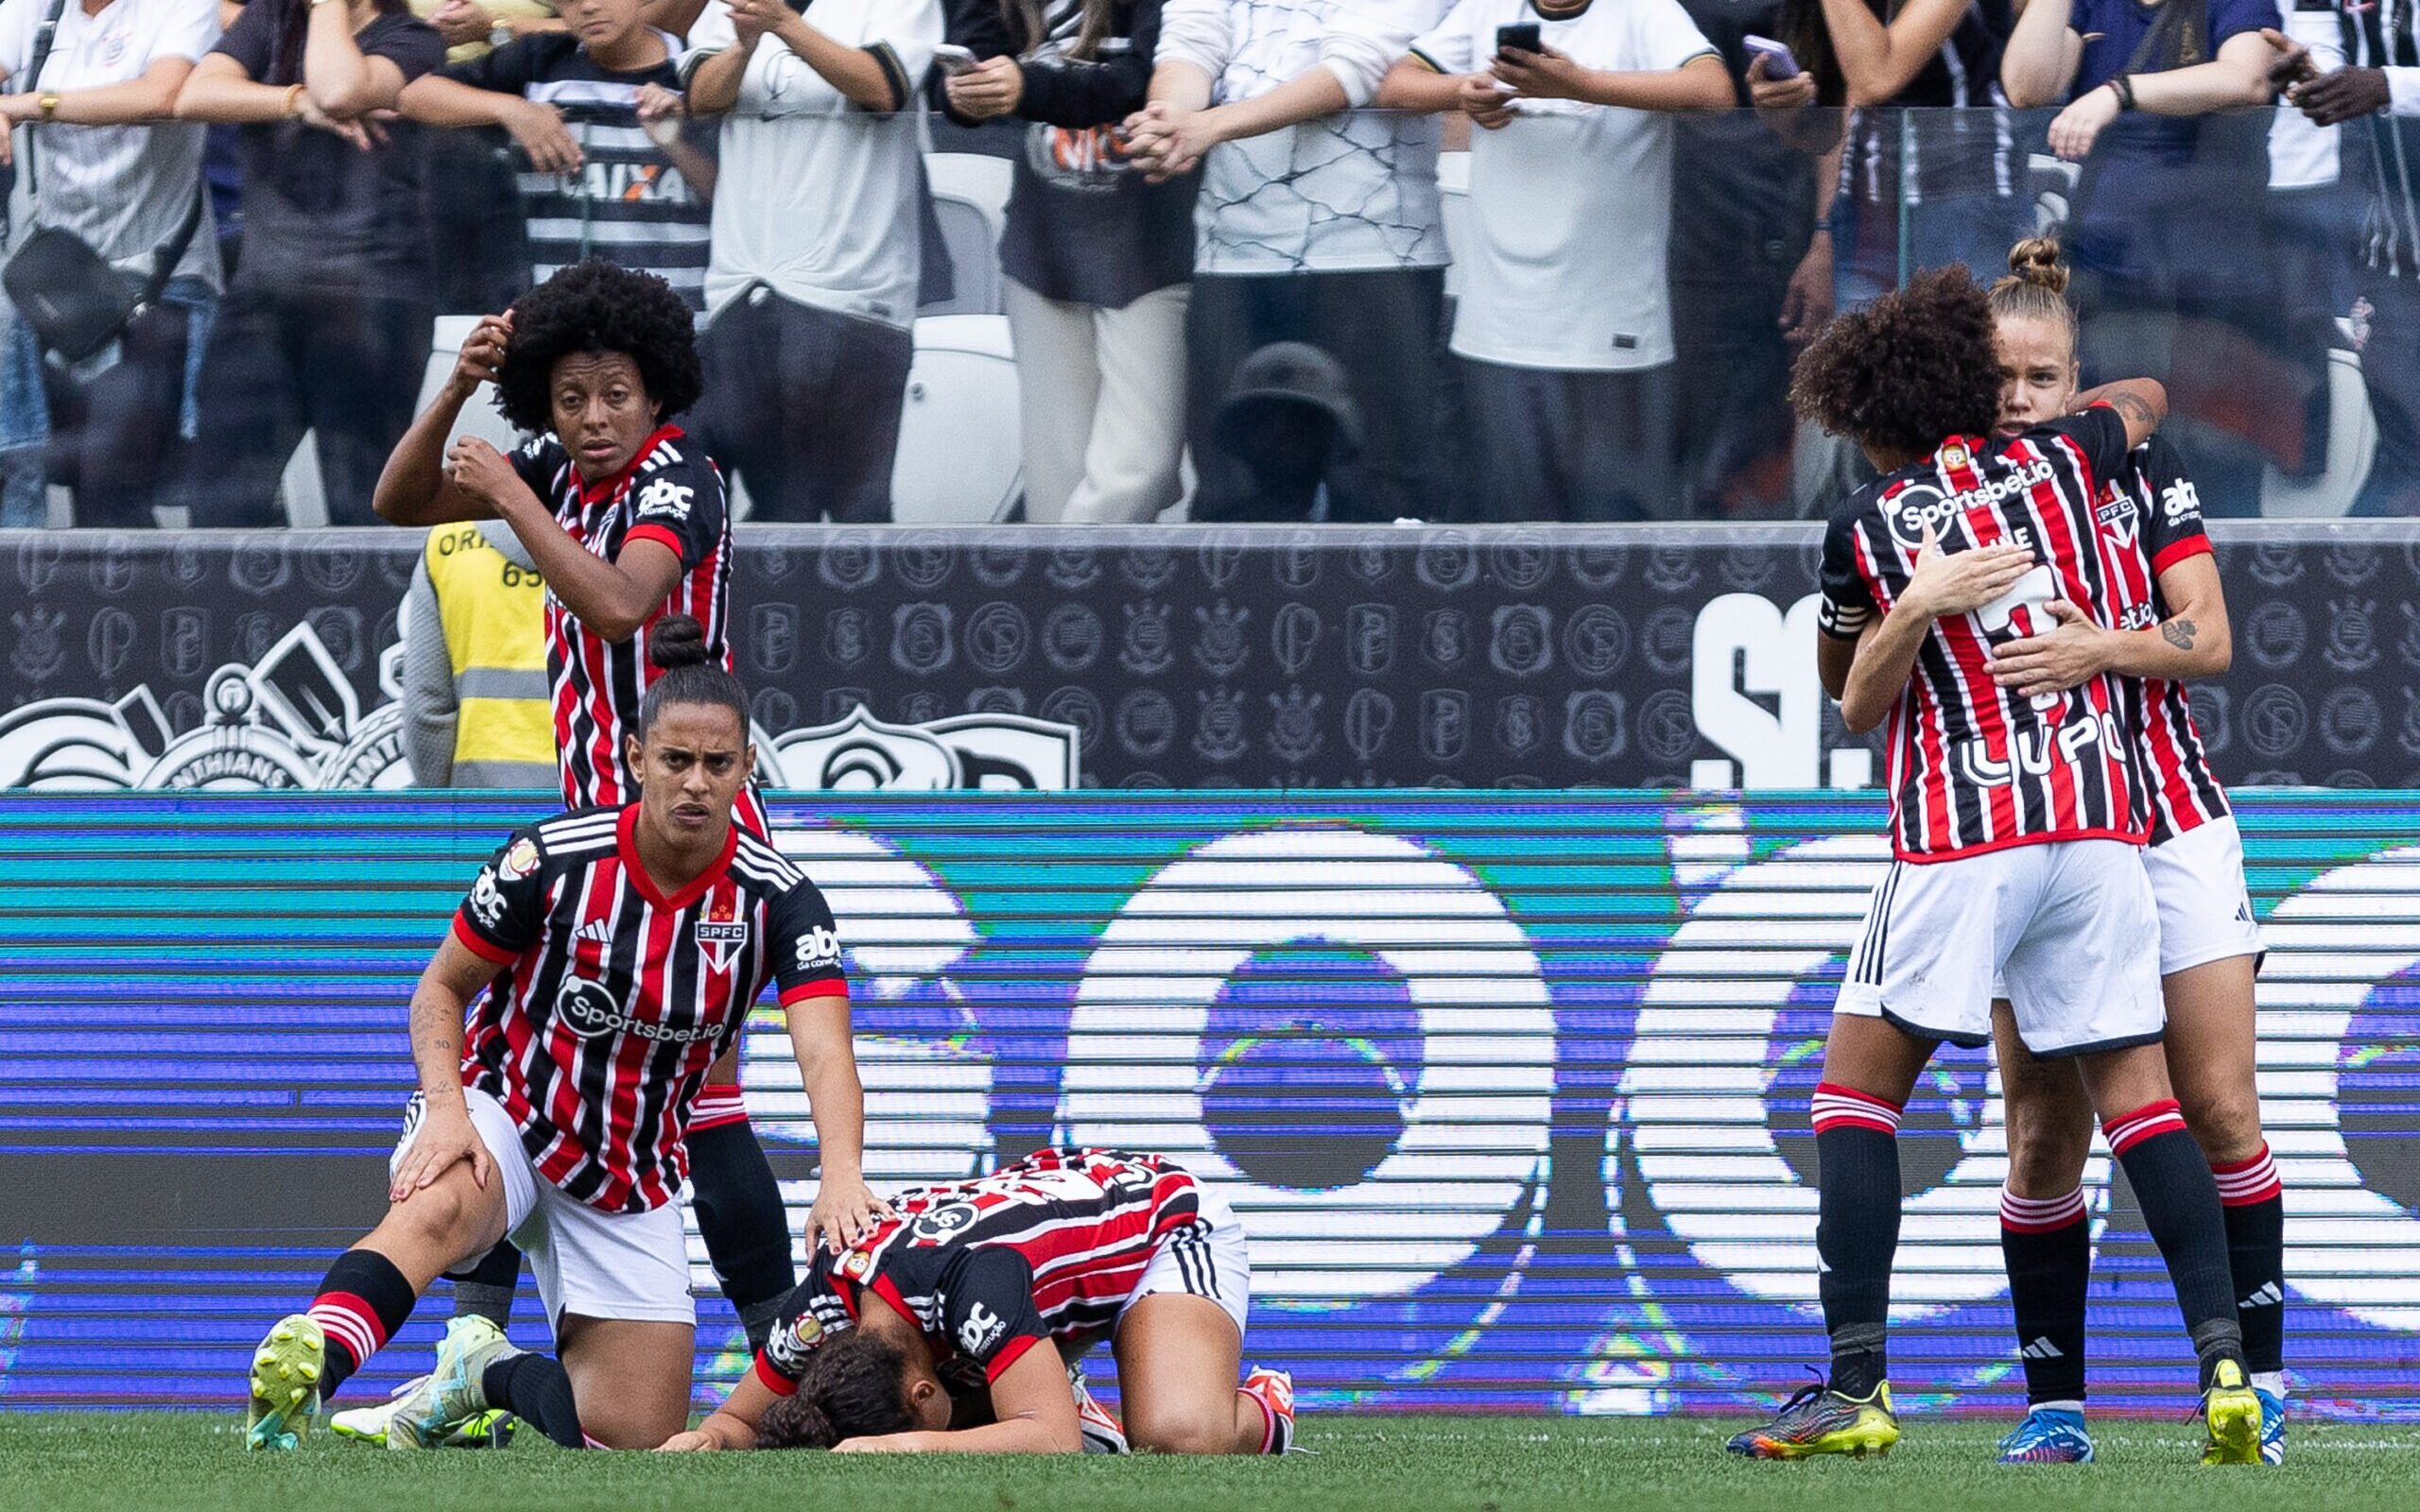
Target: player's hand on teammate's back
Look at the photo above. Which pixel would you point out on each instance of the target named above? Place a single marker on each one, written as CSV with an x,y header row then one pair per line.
x,y
844,1211
1964,581
2066,656
444,1138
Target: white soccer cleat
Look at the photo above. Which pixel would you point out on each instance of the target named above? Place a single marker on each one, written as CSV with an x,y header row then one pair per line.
x,y
437,1407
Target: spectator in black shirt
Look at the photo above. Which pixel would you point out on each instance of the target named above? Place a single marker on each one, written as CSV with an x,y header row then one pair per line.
x,y
327,324
1098,261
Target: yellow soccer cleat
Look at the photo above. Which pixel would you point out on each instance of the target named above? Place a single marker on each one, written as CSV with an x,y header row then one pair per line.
x,y
1819,1420
286,1384
2232,1409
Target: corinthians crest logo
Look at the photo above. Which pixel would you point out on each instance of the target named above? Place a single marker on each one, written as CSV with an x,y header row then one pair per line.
x,y
289,720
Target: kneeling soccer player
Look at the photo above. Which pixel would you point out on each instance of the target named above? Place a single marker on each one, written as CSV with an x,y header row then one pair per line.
x,y
632,944
945,1329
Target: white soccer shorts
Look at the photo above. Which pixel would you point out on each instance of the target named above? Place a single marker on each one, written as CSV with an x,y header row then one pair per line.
x,y
623,1265
1211,1259
2068,926
2204,908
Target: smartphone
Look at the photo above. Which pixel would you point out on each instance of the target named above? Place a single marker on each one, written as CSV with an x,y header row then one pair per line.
x,y
955,60
1779,63
1521,39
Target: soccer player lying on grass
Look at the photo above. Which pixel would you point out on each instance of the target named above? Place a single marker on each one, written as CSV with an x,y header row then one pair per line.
x,y
633,943
2017,824
945,1329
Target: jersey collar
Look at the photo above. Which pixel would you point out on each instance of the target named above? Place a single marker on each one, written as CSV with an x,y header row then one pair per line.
x,y
626,837
592,494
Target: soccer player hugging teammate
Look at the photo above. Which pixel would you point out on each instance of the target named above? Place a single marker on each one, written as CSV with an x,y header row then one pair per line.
x,y
625,520
2016,822
2173,626
620,951
955,1324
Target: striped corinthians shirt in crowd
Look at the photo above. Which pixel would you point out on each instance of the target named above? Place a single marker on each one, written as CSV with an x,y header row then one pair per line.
x,y
1048,1248
1973,767
626,202
670,493
614,998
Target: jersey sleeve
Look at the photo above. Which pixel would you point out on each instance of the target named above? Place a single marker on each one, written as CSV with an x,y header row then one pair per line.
x,y
506,908
2174,530
1848,604
2101,435
539,461
679,505
807,945
986,1308
796,1334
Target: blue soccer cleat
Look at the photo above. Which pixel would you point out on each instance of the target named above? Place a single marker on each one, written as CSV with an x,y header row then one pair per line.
x,y
2049,1435
2273,1428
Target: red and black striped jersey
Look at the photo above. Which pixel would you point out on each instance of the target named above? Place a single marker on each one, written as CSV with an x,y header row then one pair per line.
x,y
2156,503
671,493
617,998
1049,1248
1975,767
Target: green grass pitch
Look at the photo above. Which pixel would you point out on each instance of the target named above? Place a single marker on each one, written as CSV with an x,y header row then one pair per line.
x,y
159,1462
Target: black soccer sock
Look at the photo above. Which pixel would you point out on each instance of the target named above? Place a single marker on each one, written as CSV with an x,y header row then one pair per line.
x,y
741,1218
536,1389
2256,1218
1856,1230
2047,1242
486,1289
363,1299
2180,1204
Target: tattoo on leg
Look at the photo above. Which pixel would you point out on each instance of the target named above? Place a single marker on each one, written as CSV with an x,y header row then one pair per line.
x,y
2179,633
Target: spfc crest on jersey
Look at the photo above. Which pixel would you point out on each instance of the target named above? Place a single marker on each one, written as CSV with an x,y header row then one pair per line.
x,y
721,936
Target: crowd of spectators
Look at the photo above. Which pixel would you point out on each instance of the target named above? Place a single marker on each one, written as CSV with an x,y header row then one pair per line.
x,y
1226,237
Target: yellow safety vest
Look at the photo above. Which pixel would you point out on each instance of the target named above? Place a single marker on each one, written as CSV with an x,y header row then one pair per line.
x,y
494,615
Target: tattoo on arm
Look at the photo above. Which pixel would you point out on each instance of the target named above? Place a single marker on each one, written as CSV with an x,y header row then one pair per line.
x,y
2134,410
2178,633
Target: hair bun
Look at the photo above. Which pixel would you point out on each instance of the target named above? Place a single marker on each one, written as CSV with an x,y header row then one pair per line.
x,y
677,641
794,1422
2036,261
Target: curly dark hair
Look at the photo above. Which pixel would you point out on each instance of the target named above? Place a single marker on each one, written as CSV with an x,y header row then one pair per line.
x,y
850,1389
1907,371
598,306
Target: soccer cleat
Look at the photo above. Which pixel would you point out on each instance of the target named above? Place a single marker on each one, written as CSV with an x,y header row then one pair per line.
x,y
492,1429
2049,1435
1819,1420
1274,1391
2273,1428
1103,1433
286,1384
441,1403
2232,1410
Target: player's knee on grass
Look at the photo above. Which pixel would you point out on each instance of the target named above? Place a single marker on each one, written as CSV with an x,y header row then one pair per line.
x,y
1182,1429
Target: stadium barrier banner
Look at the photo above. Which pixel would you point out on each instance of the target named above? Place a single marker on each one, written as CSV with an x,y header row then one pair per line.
x,y
1511,1089
1164,657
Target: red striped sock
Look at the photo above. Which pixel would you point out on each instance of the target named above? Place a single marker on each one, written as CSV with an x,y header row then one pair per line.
x,y
2039,1215
2241,1183
2130,1129
1838,1107
363,1299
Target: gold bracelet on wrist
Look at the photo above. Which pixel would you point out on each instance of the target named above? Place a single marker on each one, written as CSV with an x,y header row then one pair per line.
x,y
48,103
293,101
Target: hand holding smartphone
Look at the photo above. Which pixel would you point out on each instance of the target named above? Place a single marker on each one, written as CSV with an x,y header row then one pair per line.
x,y
955,60
1779,63
1520,38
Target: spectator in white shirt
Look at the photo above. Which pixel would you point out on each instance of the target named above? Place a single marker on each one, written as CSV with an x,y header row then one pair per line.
x,y
1318,223
104,164
1564,324
811,287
